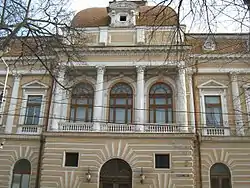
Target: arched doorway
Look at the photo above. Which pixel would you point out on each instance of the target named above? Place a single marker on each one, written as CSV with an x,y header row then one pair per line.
x,y
116,173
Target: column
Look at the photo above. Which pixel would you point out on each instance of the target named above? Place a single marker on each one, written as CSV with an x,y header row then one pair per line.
x,y
13,104
140,108
237,104
191,98
98,107
181,106
58,98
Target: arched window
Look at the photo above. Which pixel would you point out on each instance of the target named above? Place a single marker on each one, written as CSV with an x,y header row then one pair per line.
x,y
82,103
220,176
160,104
116,173
121,103
21,174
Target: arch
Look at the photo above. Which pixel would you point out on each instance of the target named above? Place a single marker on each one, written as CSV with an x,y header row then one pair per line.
x,y
160,103
220,176
81,79
115,173
82,100
121,103
21,174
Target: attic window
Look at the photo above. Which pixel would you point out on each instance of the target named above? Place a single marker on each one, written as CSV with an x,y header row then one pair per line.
x,y
123,18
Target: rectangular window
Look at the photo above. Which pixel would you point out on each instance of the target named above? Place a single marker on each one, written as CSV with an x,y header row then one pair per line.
x,y
213,111
162,161
123,18
71,159
33,110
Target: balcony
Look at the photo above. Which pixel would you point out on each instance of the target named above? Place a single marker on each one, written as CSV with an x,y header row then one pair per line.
x,y
216,131
29,129
118,128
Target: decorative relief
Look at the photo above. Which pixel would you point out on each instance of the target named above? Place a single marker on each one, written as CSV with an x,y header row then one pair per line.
x,y
209,43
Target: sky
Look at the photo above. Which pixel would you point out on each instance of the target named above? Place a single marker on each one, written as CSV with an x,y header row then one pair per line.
x,y
228,17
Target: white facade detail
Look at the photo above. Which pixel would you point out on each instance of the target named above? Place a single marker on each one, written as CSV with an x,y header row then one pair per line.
x,y
140,107
59,94
13,104
237,105
103,36
181,103
3,104
98,104
191,107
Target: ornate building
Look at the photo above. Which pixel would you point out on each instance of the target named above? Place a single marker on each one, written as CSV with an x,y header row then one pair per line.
x,y
146,106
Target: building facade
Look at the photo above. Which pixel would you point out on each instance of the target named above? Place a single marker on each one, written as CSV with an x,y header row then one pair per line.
x,y
145,105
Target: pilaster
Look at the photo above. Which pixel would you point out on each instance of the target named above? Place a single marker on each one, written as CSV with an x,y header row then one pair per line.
x,y
13,104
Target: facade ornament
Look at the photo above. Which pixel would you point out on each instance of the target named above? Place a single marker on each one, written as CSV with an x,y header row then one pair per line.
x,y
100,69
140,68
209,44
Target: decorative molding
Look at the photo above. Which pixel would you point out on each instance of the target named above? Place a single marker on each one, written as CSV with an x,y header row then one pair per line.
x,y
35,84
209,44
212,84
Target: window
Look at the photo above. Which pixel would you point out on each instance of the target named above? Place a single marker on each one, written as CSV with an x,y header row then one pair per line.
x,y
33,110
71,159
121,103
82,103
123,18
162,161
213,111
160,104
21,174
220,176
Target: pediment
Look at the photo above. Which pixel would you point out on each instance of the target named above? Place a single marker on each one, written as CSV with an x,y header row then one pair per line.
x,y
35,85
2,85
212,84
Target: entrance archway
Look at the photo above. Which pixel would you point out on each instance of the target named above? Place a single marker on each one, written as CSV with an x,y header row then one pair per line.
x,y
116,173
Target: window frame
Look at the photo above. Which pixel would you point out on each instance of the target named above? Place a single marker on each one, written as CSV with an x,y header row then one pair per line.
x,y
155,105
247,100
64,159
38,89
32,105
12,175
123,106
215,105
170,162
214,88
220,177
86,106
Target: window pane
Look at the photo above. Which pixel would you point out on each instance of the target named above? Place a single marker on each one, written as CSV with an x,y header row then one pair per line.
x,y
37,99
71,159
120,115
151,116
82,101
160,101
90,114
170,115
16,180
120,101
213,116
25,181
162,161
111,118
215,183
80,114
225,183
151,101
129,116
107,185
72,114
160,115
212,99
169,100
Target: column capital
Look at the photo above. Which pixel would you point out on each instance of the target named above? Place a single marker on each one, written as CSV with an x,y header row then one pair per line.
x,y
233,75
140,68
181,70
100,69
17,76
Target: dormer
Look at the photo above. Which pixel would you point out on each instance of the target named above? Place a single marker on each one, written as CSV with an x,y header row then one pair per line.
x,y
123,13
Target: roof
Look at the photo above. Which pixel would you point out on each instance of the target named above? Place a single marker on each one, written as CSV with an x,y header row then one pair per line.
x,y
148,16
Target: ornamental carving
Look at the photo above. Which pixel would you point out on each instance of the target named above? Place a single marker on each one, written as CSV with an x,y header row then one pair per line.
x,y
123,5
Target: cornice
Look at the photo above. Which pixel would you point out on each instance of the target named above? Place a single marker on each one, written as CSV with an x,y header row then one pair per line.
x,y
220,56
121,135
19,137
132,50
226,139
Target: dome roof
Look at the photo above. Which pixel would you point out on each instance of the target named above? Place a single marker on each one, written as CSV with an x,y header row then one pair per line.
x,y
148,16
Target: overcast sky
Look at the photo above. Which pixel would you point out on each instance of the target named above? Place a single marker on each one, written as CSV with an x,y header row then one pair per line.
x,y
228,17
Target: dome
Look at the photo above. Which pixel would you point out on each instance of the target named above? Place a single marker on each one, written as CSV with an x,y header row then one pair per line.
x,y
148,16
